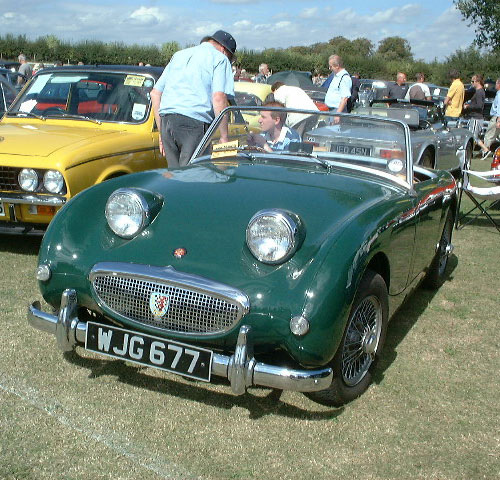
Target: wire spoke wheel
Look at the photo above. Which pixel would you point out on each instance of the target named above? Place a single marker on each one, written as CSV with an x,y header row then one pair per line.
x,y
361,340
444,246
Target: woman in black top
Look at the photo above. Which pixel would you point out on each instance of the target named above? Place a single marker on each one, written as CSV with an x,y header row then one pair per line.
x,y
474,110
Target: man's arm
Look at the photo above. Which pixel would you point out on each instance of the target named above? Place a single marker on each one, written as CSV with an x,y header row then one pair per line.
x,y
451,93
155,102
342,104
219,102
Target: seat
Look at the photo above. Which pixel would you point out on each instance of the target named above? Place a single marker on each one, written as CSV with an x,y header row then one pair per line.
x,y
485,198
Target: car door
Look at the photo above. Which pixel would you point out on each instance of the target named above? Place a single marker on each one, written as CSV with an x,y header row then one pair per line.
x,y
429,208
446,143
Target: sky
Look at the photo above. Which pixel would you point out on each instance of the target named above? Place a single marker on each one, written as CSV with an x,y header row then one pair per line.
x,y
433,28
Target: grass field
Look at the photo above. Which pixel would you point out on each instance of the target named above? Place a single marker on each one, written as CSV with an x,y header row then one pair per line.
x,y
432,412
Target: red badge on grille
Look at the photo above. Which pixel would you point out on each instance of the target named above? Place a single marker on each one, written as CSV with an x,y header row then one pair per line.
x,y
158,304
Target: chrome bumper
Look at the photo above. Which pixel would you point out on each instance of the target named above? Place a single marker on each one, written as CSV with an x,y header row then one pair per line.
x,y
25,199
241,368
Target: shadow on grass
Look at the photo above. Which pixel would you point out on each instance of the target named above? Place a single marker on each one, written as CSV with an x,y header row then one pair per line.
x,y
481,222
405,318
257,406
20,244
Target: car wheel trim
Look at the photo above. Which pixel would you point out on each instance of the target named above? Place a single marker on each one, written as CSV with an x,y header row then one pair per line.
x,y
361,340
445,249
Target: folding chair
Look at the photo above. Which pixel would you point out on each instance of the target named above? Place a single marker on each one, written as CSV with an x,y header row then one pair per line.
x,y
483,198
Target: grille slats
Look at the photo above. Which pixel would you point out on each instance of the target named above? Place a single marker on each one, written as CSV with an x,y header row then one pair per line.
x,y
189,311
8,178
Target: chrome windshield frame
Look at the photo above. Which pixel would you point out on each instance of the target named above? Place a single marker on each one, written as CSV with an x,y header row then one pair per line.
x,y
408,184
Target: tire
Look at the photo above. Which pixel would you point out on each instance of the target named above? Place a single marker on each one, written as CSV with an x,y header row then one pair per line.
x,y
427,160
437,271
361,344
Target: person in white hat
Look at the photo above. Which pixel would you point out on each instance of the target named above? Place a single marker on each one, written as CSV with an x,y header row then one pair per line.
x,y
191,91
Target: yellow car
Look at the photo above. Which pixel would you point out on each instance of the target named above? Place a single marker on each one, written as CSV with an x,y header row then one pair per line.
x,y
71,128
249,94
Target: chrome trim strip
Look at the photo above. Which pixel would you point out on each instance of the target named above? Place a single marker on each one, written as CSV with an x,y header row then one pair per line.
x,y
241,368
22,199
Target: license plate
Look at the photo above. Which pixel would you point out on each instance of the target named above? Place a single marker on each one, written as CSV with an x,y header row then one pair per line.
x,y
350,149
2,210
168,355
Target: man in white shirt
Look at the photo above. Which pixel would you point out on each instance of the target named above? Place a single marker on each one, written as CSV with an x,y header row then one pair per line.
x,y
419,90
340,87
294,97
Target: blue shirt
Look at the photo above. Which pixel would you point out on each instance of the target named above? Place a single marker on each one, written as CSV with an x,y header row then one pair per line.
x,y
327,82
495,106
190,79
286,137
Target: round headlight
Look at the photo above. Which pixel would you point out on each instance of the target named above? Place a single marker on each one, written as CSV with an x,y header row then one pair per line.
x,y
28,179
127,212
53,181
272,236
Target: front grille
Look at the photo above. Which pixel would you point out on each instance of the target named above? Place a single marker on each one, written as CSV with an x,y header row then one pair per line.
x,y
189,310
8,178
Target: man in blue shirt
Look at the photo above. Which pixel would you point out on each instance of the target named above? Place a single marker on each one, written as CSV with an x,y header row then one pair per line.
x,y
274,136
191,91
492,131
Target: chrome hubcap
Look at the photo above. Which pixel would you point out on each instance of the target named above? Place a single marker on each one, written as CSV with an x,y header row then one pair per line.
x,y
361,340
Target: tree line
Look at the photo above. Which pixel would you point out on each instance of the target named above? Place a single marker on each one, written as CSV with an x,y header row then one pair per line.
x,y
360,55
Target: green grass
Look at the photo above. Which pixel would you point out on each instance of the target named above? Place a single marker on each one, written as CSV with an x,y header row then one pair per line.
x,y
432,412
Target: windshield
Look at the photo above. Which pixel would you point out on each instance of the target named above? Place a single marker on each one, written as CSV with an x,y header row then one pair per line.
x,y
278,134
103,96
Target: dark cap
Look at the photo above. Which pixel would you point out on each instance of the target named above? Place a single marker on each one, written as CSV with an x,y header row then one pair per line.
x,y
224,38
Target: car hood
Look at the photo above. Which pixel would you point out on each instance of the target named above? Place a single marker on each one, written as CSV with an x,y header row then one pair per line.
x,y
40,139
206,210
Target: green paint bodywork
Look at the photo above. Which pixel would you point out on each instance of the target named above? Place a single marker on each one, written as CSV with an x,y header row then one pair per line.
x,y
352,220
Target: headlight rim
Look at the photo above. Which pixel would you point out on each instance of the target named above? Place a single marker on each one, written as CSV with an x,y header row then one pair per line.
x,y
37,185
61,190
145,211
292,222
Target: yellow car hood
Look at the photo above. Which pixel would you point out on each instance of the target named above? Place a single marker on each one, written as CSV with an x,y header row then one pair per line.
x,y
44,139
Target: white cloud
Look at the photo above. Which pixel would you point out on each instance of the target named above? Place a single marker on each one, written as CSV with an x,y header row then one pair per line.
x,y
242,24
206,29
285,24
147,16
309,12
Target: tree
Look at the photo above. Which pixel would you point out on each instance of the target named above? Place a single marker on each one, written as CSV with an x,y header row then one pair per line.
x,y
395,48
485,16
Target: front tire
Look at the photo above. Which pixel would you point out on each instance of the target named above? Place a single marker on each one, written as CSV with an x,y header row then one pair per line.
x,y
361,344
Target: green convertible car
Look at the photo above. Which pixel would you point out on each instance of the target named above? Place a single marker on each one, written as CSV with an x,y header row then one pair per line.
x,y
272,260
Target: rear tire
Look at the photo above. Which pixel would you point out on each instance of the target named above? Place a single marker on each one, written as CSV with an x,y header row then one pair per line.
x,y
361,344
437,271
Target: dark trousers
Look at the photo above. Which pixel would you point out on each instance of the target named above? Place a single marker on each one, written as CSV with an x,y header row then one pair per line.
x,y
180,136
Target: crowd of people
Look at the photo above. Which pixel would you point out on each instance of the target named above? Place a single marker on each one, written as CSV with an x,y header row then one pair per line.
x,y
197,82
